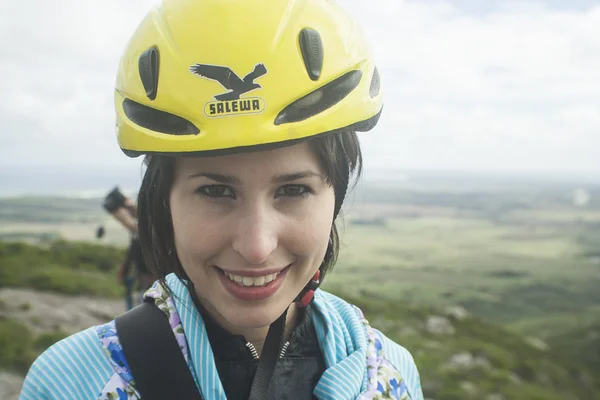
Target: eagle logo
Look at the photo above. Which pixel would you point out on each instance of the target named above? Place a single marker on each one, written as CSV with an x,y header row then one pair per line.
x,y
229,79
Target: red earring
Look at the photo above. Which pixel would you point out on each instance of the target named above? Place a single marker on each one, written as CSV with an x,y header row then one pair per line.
x,y
308,293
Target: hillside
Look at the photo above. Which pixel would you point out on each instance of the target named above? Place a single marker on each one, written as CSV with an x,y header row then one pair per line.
x,y
463,357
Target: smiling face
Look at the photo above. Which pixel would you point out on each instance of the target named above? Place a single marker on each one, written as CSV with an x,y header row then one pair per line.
x,y
251,229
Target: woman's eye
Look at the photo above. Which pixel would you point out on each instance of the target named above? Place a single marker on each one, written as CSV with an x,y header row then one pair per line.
x,y
216,191
293,191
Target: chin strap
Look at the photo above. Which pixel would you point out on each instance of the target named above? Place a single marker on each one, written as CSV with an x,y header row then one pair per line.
x,y
308,293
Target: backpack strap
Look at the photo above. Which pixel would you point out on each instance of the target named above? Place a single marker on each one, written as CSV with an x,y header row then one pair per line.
x,y
157,365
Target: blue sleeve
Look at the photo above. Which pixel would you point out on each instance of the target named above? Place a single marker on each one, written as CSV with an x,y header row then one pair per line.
x,y
405,364
74,368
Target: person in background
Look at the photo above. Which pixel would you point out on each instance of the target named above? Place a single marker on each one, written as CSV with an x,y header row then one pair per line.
x,y
124,210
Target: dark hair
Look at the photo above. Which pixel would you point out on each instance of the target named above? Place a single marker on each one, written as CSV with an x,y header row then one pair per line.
x,y
340,158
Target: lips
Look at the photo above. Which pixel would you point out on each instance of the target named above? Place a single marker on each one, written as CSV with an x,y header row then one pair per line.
x,y
252,281
253,272
252,285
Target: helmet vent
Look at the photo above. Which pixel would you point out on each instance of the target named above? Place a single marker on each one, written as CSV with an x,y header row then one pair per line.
x,y
312,52
157,120
148,68
320,100
375,84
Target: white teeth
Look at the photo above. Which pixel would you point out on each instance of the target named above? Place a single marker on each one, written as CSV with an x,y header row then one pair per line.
x,y
250,281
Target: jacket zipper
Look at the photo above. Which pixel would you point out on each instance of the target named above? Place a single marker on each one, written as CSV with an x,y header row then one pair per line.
x,y
284,349
252,349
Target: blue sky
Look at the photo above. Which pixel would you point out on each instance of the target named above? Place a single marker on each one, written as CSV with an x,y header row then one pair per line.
x,y
475,85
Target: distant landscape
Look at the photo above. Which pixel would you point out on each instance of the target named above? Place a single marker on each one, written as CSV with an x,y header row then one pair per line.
x,y
492,282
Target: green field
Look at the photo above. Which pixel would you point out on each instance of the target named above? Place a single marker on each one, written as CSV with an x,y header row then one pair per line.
x,y
501,272
525,257
35,219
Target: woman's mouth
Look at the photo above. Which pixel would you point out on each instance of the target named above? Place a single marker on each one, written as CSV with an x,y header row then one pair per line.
x,y
252,281
259,286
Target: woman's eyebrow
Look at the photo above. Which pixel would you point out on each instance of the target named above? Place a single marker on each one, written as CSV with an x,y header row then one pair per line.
x,y
295,176
283,178
221,178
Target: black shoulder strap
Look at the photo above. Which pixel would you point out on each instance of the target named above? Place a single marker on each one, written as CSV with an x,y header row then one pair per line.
x,y
153,354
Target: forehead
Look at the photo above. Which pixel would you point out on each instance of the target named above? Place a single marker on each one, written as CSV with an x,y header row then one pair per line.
x,y
276,161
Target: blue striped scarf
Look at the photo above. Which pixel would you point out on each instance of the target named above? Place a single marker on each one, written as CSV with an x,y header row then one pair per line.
x,y
361,363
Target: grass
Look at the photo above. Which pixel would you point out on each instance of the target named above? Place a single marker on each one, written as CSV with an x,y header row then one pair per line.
x,y
507,272
19,347
505,357
63,267
35,232
422,241
554,215
557,324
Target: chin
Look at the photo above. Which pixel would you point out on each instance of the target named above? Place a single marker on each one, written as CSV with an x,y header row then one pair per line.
x,y
257,316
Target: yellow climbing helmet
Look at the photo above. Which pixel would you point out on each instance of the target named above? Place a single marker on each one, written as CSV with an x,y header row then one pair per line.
x,y
214,75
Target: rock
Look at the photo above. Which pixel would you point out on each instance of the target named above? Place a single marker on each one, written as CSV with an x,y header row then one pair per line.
x,y
538,343
408,331
50,311
468,387
482,362
514,378
432,386
460,361
495,396
432,344
456,312
439,326
467,361
10,386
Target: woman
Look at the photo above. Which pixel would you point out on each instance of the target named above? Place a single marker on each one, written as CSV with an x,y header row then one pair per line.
x,y
246,111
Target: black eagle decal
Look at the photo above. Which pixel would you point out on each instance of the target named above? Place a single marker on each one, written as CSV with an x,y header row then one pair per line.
x,y
229,79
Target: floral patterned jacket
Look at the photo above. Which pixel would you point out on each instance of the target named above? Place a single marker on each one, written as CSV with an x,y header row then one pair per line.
x,y
361,363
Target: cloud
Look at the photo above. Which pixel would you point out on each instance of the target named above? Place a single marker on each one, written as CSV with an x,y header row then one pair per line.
x,y
514,88
511,85
58,75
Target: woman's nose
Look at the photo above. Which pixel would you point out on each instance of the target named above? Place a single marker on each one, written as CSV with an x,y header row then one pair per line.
x,y
256,235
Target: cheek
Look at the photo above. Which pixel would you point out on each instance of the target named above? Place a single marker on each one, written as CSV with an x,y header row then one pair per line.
x,y
183,220
311,232
194,234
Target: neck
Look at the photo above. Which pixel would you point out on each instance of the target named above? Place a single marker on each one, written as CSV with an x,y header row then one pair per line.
x,y
257,336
